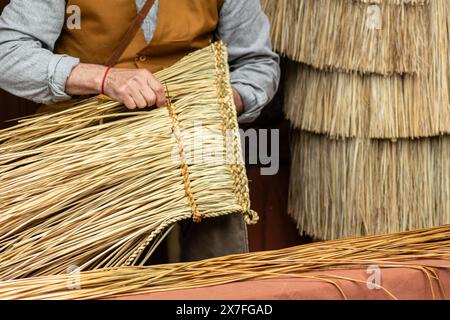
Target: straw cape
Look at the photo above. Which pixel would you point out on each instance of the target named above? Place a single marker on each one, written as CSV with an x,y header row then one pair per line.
x,y
383,37
404,250
98,186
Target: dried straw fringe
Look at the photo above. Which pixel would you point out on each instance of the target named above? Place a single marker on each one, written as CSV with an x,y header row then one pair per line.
x,y
373,106
335,34
348,105
386,251
346,188
94,185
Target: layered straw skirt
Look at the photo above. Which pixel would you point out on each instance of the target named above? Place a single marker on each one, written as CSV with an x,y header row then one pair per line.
x,y
367,93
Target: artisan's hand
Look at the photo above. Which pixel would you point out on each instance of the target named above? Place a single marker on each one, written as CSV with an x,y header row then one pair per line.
x,y
238,102
136,88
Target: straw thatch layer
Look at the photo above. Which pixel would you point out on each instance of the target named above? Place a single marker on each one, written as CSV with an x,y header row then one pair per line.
x,y
355,187
374,106
352,105
350,35
96,185
386,251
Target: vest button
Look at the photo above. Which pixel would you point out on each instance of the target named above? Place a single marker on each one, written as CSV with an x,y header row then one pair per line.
x,y
142,58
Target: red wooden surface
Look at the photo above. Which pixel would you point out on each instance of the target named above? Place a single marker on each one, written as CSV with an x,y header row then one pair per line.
x,y
405,283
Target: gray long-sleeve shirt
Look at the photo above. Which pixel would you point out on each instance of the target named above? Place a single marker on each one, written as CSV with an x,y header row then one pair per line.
x,y
29,68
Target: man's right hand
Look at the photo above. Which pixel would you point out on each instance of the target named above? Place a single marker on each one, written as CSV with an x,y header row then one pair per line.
x,y
136,88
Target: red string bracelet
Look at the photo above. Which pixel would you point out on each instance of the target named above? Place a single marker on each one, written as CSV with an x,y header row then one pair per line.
x,y
104,79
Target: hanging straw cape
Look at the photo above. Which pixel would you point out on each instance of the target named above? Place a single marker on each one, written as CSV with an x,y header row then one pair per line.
x,y
385,251
97,186
359,185
344,35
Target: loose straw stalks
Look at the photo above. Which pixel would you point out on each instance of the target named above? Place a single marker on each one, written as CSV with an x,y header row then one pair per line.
x,y
94,185
339,35
385,251
373,106
357,187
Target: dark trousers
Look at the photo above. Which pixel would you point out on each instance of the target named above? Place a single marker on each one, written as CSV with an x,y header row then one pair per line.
x,y
213,237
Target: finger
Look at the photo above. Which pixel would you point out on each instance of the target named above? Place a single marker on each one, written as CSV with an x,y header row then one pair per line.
x,y
129,102
146,91
138,97
158,89
148,95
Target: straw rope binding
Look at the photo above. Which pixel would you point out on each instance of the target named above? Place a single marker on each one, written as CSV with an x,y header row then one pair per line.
x,y
197,216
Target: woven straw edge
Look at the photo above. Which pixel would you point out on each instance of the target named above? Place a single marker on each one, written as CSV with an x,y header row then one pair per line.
x,y
229,116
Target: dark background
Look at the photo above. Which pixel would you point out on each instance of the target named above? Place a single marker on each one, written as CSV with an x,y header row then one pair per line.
x,y
10,106
268,193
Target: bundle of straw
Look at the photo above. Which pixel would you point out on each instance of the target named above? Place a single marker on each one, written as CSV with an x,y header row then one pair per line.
x,y
385,251
375,106
359,187
350,35
96,186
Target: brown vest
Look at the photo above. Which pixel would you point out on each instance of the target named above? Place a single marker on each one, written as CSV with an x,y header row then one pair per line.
x,y
183,26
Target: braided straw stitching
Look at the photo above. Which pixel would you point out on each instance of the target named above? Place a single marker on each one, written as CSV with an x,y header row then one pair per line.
x,y
197,216
229,116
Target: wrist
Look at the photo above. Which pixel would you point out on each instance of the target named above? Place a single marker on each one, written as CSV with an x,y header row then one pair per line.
x,y
85,79
99,78
103,82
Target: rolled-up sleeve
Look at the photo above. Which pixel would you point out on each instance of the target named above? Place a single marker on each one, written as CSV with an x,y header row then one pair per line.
x,y
28,67
255,70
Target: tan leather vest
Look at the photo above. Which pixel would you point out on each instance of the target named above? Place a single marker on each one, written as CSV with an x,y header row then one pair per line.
x,y
183,26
